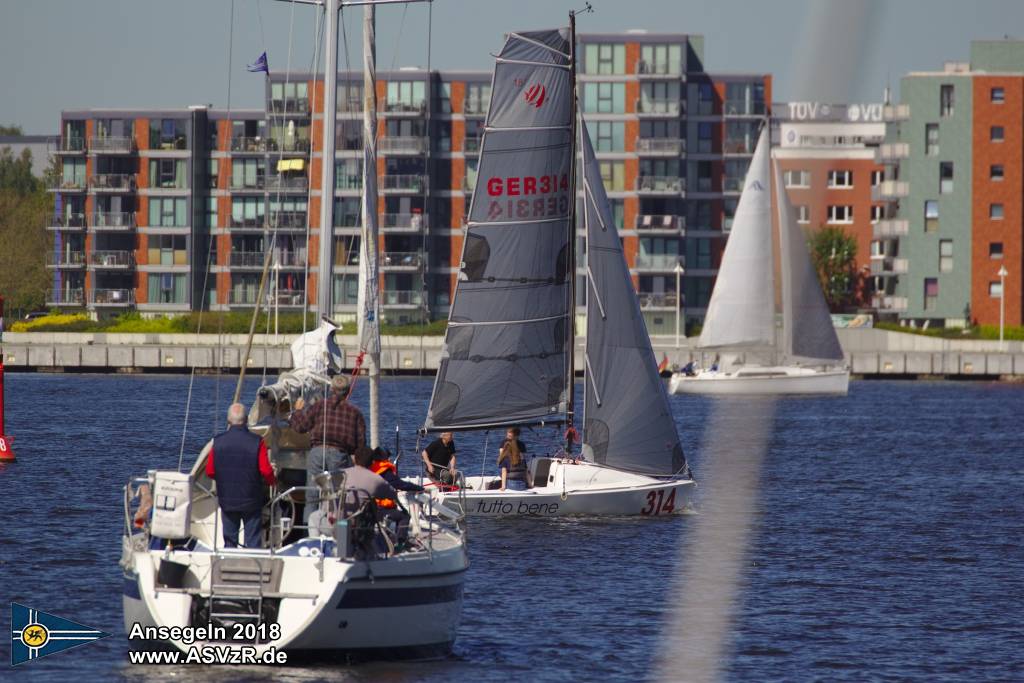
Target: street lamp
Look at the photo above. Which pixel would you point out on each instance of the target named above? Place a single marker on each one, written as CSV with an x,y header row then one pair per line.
x,y
1002,301
679,273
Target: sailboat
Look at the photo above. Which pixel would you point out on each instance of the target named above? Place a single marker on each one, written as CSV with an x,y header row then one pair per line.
x,y
508,351
741,319
346,585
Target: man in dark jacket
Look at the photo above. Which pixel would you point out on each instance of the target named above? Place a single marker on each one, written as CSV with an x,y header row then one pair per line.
x,y
242,467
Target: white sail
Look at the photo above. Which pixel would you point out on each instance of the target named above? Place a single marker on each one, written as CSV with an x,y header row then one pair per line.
x,y
742,307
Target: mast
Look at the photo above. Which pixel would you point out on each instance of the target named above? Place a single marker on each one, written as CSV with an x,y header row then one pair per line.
x,y
324,270
571,408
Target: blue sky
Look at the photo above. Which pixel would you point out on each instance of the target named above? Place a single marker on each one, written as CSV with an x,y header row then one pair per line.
x,y
63,54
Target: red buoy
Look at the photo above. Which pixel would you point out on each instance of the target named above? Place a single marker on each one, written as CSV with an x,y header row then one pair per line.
x,y
6,451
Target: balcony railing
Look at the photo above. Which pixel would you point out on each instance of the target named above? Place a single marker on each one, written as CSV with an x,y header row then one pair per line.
x,y
290,105
402,145
705,185
249,144
472,145
101,144
275,183
113,220
286,145
659,184
896,112
288,219
353,182
889,228
738,146
118,260
658,107
657,300
669,146
66,297
412,222
890,189
744,108
645,68
892,151
69,185
71,144
402,183
112,297
67,259
889,303
405,107
474,108
251,184
658,261
256,223
403,297
283,297
68,221
660,222
112,182
402,259
169,143
247,259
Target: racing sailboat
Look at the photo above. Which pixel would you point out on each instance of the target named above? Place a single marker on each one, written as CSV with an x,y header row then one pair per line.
x,y
508,351
741,318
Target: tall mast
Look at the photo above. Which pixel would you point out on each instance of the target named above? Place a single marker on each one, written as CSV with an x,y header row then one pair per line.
x,y
571,410
325,284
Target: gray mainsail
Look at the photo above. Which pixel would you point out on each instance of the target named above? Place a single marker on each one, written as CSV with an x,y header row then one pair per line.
x,y
806,324
505,357
627,421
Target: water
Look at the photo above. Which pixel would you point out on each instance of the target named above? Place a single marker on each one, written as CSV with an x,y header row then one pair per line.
x,y
888,544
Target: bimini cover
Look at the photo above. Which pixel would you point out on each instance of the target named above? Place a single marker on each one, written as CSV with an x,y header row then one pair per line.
x,y
628,424
172,505
505,357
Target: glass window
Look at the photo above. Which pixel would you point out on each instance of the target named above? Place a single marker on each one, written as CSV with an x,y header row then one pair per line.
x,y
247,212
931,215
443,98
995,250
661,97
405,96
478,97
841,213
797,178
604,98
945,177
995,172
168,212
803,213
995,290
613,173
998,96
840,179
876,178
604,58
995,212
660,59
167,288
350,97
611,136
168,134
348,174
931,139
945,256
946,100
168,174
931,293
167,250
247,173
996,134
744,99
741,136
877,213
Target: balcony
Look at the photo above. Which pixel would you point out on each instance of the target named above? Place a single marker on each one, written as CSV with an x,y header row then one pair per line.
x,y
892,151
287,183
102,144
290,105
648,301
660,223
738,146
412,184
402,145
419,108
654,184
68,185
472,144
403,222
402,260
283,297
288,220
890,189
112,260
112,182
67,297
646,107
113,220
66,259
658,261
732,184
254,259
288,146
255,223
472,108
895,112
889,303
402,297
68,221
70,145
743,108
256,184
888,265
891,228
249,144
658,69
660,146
112,297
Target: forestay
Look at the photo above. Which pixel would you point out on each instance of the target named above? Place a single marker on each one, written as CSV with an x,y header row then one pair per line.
x,y
505,357
742,307
806,323
627,421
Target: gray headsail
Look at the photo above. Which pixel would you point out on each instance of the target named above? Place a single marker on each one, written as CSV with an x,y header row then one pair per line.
x,y
627,421
505,357
807,326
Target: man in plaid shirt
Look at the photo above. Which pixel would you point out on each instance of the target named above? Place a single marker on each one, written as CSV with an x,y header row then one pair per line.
x,y
335,427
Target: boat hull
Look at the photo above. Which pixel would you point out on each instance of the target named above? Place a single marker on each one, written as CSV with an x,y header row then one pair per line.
x,y
763,381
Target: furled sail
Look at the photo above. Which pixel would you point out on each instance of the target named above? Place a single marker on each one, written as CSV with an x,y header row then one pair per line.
x,y
505,357
627,421
806,324
742,307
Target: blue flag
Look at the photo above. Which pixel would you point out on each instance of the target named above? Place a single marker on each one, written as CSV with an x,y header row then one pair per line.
x,y
260,65
36,634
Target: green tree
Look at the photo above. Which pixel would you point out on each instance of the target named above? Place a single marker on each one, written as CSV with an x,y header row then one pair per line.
x,y
10,130
24,240
16,172
834,254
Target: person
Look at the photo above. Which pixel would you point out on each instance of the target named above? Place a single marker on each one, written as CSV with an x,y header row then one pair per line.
x,y
383,466
239,463
512,463
688,369
336,429
360,478
439,458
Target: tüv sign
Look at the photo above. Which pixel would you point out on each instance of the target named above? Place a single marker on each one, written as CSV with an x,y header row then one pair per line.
x,y
870,112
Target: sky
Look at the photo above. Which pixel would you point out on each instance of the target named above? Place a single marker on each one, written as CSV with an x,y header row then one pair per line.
x,y
78,54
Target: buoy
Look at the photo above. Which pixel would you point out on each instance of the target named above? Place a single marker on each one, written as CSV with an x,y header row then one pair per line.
x,y
6,451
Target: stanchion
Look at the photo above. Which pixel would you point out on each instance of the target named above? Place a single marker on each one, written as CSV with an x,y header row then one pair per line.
x,y
6,450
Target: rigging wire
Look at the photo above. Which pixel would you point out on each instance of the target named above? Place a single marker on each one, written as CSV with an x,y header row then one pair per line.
x,y
318,30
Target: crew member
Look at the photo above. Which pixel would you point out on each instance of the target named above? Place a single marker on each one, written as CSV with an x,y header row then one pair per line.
x,y
242,467
383,466
439,458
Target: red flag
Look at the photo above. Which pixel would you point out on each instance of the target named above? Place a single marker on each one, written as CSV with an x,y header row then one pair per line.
x,y
663,364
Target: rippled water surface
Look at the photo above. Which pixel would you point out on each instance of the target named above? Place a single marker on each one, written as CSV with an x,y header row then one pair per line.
x,y
888,543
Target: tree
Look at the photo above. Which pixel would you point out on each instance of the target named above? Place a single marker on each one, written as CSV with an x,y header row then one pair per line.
x,y
16,173
10,130
24,240
834,254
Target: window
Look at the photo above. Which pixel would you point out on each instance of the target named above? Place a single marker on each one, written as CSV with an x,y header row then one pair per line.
x,y
167,288
931,215
740,136
659,98
998,95
797,178
995,250
604,58
803,213
613,173
945,256
840,179
247,173
946,98
931,293
478,97
248,212
292,97
877,248
213,171
167,250
211,212
443,98
705,133
744,99
996,134
348,174
167,212
995,290
406,96
168,174
705,99
167,134
661,59
703,253
877,177
931,139
946,177
995,172
995,212
840,214
659,128
350,97
877,213
604,98
610,136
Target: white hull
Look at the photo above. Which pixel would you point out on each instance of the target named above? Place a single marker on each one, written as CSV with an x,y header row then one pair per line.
x,y
579,488
774,380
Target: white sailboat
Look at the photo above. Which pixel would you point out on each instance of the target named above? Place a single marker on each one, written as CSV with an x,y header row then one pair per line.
x,y
741,319
347,587
508,351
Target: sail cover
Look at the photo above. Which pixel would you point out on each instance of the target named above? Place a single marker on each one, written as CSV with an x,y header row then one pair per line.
x,y
807,326
627,421
742,307
505,356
